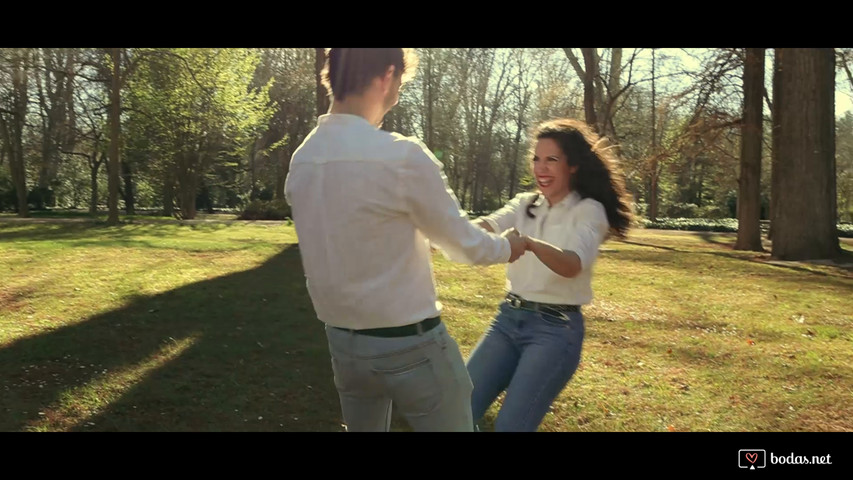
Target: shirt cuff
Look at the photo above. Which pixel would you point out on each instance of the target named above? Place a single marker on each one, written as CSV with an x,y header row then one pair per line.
x,y
493,224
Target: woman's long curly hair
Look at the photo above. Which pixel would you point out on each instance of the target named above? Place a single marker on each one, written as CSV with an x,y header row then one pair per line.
x,y
597,176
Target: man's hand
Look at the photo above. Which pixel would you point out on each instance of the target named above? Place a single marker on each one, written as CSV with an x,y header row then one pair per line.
x,y
517,244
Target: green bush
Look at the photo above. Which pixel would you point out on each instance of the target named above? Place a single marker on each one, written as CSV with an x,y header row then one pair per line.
x,y
266,210
682,210
716,225
692,224
712,211
8,200
37,198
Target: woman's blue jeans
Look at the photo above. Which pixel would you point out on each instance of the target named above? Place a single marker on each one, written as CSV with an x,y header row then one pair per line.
x,y
532,355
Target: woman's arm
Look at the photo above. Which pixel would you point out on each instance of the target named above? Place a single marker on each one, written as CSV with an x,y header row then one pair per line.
x,y
580,248
565,263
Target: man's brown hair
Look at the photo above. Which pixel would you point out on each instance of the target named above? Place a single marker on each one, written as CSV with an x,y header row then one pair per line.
x,y
349,71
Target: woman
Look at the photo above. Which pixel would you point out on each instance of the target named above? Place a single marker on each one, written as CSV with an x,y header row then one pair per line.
x,y
533,346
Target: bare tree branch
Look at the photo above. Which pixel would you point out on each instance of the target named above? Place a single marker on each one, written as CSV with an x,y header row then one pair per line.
x,y
575,63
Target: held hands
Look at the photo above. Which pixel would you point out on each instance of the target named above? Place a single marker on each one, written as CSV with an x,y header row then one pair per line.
x,y
517,243
528,242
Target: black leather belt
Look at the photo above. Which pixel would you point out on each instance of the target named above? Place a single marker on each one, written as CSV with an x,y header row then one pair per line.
x,y
517,302
402,331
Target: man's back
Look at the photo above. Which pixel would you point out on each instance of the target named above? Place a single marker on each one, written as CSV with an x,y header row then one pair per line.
x,y
367,264
364,203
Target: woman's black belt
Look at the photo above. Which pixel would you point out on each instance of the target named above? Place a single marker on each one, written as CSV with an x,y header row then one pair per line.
x,y
517,302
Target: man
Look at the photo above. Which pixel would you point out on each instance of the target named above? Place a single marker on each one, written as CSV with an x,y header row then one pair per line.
x,y
366,203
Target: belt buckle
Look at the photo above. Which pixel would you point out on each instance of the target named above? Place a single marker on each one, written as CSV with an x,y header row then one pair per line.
x,y
514,301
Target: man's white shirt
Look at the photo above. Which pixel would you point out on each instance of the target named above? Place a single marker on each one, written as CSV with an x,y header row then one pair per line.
x,y
366,203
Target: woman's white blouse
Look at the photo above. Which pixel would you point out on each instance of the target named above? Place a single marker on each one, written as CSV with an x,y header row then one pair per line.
x,y
575,224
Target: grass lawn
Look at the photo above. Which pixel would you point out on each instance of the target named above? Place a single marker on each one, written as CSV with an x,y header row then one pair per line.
x,y
208,327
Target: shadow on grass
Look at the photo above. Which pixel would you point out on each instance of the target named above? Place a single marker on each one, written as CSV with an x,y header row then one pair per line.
x,y
715,238
843,261
94,234
839,277
242,352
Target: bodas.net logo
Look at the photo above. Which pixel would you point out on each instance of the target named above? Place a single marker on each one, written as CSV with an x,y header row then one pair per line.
x,y
751,458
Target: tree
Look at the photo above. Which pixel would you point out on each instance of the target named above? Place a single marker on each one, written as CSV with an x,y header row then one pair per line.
x,y
844,166
590,74
89,134
322,96
200,107
114,67
804,154
13,114
296,101
55,75
654,157
749,194
844,144
604,90
117,79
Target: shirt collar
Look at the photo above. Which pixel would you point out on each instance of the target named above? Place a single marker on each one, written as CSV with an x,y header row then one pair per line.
x,y
342,119
567,202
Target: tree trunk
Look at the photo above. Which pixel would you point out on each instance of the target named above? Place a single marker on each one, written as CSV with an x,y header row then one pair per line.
x,y
188,174
55,93
93,171
749,183
253,192
774,154
613,86
804,133
205,200
168,194
653,167
115,136
187,194
129,196
281,168
513,169
12,128
428,97
187,188
322,95
590,71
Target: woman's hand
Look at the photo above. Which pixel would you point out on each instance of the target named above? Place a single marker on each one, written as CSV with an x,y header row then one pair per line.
x,y
528,242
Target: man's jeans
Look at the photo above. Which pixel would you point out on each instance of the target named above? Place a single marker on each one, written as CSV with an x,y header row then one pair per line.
x,y
532,355
423,376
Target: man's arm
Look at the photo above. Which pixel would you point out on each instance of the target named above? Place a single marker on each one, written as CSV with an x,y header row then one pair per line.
x,y
435,211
